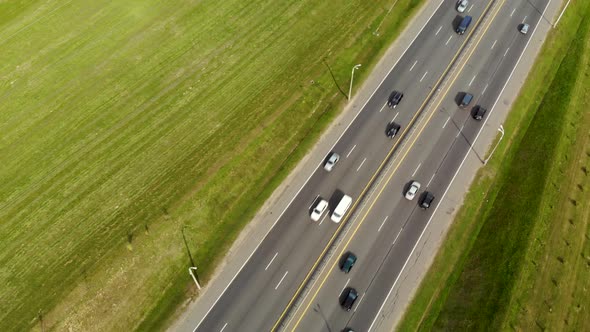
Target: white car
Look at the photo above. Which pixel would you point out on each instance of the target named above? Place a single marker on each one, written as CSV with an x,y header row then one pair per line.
x,y
319,210
524,28
462,5
332,160
413,190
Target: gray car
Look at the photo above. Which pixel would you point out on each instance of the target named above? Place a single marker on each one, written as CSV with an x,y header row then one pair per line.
x,y
332,161
412,190
462,5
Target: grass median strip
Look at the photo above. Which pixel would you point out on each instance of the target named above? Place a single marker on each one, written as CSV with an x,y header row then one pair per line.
x,y
517,254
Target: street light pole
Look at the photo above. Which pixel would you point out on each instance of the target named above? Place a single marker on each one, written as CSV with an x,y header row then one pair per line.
x,y
190,271
351,78
501,130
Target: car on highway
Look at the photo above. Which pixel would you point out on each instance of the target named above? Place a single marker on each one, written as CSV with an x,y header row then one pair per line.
x,y
412,190
347,329
524,28
462,5
463,25
319,209
341,208
427,200
479,112
392,129
348,262
332,161
466,100
348,298
394,99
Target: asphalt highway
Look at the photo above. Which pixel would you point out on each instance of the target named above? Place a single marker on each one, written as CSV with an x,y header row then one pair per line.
x,y
258,295
390,227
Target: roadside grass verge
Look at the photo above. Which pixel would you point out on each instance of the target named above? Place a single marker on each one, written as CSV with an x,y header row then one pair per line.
x,y
126,123
486,275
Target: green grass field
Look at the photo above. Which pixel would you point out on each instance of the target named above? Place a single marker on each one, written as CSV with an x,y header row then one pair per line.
x,y
124,122
521,260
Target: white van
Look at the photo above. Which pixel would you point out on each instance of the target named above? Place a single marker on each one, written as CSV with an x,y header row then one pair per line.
x,y
341,209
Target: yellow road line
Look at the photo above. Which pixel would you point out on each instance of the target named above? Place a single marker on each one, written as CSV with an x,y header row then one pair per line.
x,y
445,72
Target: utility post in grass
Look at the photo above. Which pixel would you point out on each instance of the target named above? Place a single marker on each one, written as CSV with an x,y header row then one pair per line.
x,y
501,130
351,78
192,270
194,275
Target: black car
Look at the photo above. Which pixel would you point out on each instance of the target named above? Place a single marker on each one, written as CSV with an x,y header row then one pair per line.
x,y
479,112
427,200
395,99
348,262
392,129
348,298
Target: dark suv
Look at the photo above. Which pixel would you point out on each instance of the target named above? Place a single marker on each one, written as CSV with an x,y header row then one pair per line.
x,y
479,112
395,99
348,262
465,100
348,298
392,129
427,200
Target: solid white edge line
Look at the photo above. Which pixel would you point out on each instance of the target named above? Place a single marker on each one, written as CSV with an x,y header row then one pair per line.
x,y
458,169
313,172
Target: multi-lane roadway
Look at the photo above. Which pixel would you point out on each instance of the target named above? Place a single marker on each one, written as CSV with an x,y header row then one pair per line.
x,y
436,135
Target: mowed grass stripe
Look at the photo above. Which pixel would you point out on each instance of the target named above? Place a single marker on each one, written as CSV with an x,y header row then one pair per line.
x,y
552,288
123,121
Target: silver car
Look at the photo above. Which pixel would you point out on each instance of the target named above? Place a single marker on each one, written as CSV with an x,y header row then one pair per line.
x,y
462,5
524,28
332,160
413,190
319,210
